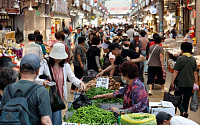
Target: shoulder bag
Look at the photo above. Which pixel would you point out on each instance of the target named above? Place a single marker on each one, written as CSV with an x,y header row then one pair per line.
x,y
147,63
175,100
56,101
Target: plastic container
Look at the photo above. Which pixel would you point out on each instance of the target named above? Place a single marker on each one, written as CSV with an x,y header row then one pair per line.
x,y
138,119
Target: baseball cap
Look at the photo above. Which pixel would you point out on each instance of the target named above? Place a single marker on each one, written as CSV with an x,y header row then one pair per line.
x,y
79,28
161,116
136,34
114,45
103,45
125,35
32,60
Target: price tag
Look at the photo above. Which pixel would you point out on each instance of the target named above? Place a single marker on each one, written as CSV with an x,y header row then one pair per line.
x,y
102,82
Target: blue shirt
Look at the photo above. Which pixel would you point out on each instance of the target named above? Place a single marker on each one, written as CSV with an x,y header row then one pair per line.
x,y
77,36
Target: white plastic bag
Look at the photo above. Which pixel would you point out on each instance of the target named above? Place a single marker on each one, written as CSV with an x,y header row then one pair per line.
x,y
194,101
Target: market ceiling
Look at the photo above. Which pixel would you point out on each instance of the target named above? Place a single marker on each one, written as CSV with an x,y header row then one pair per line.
x,y
118,7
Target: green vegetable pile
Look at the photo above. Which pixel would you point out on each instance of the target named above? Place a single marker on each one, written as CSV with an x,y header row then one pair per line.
x,y
99,91
92,114
140,117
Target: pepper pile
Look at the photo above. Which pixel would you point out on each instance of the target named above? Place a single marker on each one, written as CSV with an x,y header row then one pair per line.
x,y
99,91
92,114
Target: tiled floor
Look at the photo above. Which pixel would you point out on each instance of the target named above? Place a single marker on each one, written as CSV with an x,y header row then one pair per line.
x,y
156,97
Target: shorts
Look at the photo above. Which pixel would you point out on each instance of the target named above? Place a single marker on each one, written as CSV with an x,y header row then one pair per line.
x,y
155,71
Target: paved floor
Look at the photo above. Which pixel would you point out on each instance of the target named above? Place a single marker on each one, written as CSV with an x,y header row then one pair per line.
x,y
156,97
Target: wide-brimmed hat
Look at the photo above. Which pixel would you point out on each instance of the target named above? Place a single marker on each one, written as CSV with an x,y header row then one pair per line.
x,y
115,38
125,35
103,45
6,61
58,51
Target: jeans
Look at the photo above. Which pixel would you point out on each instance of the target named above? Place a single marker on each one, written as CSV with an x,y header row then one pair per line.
x,y
144,63
185,92
92,73
56,118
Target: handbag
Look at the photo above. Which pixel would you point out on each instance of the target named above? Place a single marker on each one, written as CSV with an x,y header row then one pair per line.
x,y
194,101
147,63
56,101
175,100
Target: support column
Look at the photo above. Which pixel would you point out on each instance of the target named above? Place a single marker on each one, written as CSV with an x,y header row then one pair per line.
x,y
48,20
161,14
198,26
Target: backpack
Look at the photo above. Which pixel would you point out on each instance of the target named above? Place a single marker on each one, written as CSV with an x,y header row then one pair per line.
x,y
16,111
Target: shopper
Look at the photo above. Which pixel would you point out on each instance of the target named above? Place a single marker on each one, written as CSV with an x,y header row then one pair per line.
x,y
39,41
136,43
85,30
156,65
6,61
7,76
67,40
79,60
122,55
164,118
167,35
77,35
144,42
108,59
184,76
93,58
130,32
61,71
116,39
134,92
174,32
38,102
33,48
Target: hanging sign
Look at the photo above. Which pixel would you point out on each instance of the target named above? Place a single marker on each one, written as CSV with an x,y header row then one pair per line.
x,y
102,82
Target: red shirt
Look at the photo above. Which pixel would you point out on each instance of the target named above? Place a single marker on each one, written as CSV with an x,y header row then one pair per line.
x,y
153,43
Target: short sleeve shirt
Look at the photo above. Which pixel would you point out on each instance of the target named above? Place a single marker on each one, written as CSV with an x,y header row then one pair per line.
x,y
79,51
43,48
38,102
155,56
92,52
186,69
126,53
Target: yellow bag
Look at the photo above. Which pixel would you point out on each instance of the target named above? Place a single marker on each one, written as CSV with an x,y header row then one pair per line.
x,y
138,119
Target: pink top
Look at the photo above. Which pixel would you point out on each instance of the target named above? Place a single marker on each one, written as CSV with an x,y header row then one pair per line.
x,y
59,79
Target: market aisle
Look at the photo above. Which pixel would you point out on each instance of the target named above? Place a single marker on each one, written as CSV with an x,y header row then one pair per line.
x,y
156,97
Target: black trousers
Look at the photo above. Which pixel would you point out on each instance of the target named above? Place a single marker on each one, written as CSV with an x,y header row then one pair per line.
x,y
185,92
78,71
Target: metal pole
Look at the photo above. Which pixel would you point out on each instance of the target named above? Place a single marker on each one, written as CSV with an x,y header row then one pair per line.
x,y
161,14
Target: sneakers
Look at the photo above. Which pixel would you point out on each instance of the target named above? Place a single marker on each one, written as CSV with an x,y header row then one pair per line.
x,y
150,92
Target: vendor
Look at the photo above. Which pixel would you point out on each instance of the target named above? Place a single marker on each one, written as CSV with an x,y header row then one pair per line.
x,y
134,93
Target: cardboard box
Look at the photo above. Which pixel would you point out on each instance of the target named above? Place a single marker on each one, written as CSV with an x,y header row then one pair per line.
x,y
163,106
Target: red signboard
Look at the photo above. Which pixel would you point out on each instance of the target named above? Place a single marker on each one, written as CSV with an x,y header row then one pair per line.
x,y
194,14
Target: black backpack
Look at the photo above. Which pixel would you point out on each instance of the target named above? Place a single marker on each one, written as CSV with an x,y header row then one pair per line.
x,y
16,111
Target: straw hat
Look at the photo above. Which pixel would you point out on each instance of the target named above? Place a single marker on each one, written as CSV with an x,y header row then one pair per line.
x,y
58,51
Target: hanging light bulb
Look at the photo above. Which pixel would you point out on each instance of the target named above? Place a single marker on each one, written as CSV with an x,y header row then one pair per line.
x,y
47,1
30,8
16,5
42,1
3,11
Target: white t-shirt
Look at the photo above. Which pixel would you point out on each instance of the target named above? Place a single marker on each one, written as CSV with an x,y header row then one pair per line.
x,y
179,120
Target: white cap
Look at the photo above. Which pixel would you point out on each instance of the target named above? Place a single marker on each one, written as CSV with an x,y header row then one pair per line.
x,y
58,51
125,35
136,34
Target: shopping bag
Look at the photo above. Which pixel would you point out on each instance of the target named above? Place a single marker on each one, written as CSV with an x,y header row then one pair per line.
x,y
81,101
194,101
175,100
56,101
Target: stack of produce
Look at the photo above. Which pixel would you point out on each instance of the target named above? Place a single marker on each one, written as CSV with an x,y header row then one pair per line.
x,y
138,119
92,114
99,91
113,85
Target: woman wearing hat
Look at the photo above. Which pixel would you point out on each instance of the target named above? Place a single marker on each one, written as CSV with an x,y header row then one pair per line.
x,y
61,71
